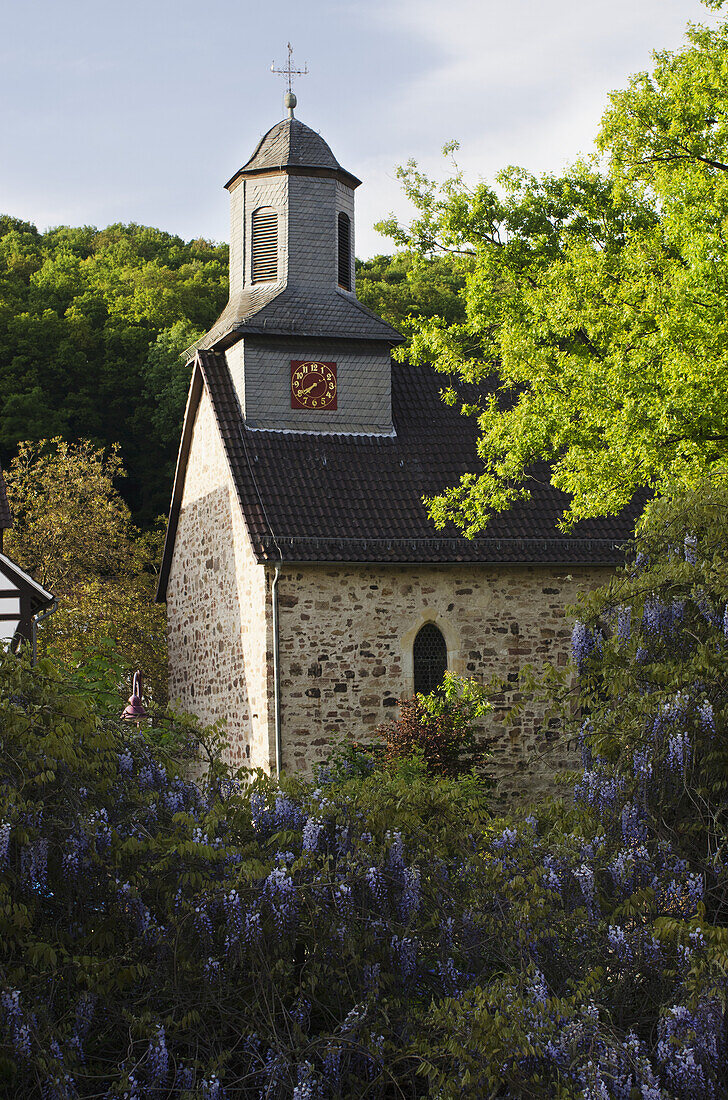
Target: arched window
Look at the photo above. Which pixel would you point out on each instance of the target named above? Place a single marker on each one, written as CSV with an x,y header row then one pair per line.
x,y
344,252
264,244
430,659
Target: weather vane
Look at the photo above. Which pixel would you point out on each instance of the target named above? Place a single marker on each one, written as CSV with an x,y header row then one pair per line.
x,y
289,72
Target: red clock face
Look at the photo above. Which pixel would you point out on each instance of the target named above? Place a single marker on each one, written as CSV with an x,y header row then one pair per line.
x,y
313,384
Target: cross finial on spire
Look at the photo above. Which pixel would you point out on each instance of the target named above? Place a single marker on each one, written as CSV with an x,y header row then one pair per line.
x,y
289,72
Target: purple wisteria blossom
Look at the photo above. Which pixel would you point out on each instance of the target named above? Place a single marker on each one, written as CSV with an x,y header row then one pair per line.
x,y
19,1028
282,896
253,930
409,901
678,752
634,826
5,831
690,1049
126,762
307,1083
343,901
706,716
642,763
158,1057
584,876
212,1089
85,1009
624,624
582,645
375,882
312,832
405,950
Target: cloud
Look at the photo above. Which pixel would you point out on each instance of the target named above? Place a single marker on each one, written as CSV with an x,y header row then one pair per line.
x,y
517,82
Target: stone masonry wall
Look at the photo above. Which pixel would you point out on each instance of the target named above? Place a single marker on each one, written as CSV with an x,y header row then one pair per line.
x,y
218,618
346,635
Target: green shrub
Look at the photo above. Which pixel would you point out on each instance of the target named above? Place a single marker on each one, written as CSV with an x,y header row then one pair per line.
x,y
441,727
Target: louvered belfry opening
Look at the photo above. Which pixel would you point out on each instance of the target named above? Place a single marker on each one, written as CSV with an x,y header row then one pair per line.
x,y
430,659
344,252
264,244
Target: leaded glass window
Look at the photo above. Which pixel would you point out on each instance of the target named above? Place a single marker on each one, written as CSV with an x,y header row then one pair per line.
x,y
430,659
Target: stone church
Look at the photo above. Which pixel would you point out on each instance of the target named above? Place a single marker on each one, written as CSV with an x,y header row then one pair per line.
x,y
307,589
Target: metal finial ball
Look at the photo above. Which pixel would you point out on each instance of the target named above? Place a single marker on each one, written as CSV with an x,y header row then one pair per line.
x,y
289,100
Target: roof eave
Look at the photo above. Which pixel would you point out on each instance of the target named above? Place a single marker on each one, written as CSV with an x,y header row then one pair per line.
x,y
249,328
569,553
340,174
41,596
193,400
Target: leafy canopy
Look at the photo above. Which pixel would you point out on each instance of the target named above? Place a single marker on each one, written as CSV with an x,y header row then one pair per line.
x,y
73,533
92,324
596,297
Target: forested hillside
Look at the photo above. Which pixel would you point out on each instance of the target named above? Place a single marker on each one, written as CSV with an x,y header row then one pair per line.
x,y
91,326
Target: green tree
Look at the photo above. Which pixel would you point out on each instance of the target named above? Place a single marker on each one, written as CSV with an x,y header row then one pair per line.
x,y
597,297
406,286
73,533
91,324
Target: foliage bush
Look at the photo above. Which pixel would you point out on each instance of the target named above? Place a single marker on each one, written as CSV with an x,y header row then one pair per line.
x,y
73,533
92,325
441,727
377,932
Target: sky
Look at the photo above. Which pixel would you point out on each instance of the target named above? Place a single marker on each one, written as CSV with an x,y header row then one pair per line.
x,y
140,111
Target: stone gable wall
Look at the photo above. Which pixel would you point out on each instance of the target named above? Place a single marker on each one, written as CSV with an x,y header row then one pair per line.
x,y
346,635
237,237
218,619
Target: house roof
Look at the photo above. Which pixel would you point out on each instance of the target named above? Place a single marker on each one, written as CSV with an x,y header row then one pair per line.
x,y
39,596
310,497
291,145
6,516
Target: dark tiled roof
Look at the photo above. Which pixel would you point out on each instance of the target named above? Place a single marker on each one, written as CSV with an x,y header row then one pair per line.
x,y
295,311
291,144
6,518
359,498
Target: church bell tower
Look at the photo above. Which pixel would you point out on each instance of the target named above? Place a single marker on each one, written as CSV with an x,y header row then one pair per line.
x,y
304,354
